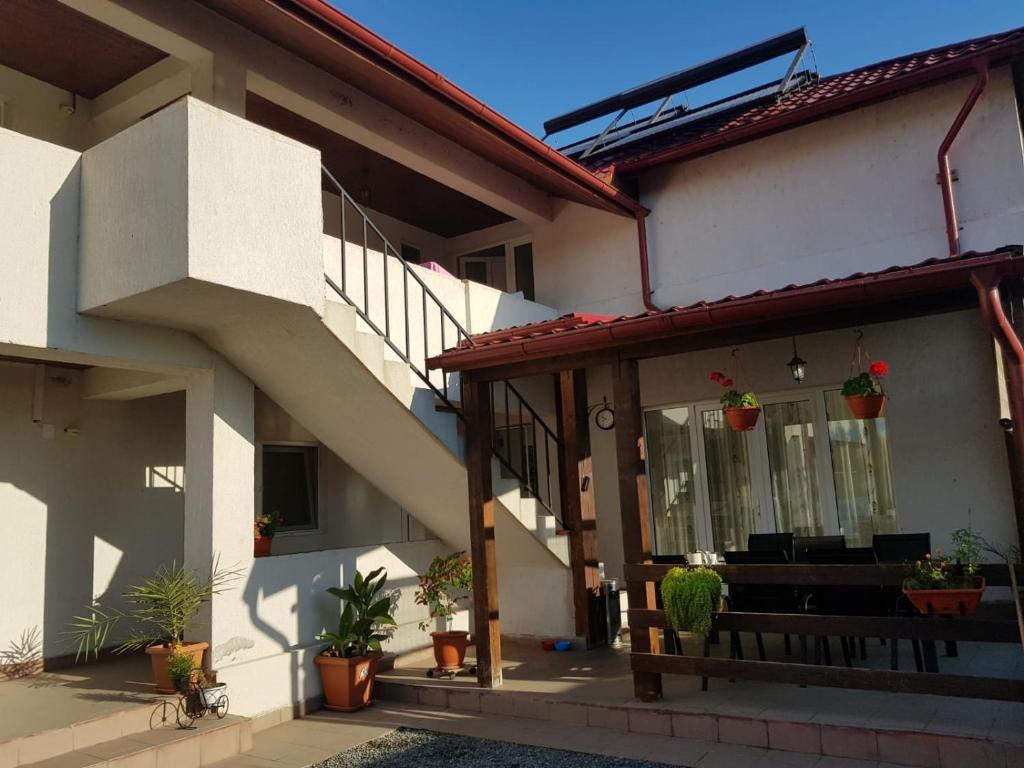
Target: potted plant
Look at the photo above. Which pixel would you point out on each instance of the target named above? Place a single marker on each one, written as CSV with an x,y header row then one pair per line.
x,y
181,669
939,585
439,590
162,610
864,393
741,408
690,596
348,665
263,533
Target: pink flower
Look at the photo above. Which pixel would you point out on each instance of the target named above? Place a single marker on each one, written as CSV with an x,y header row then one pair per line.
x,y
726,383
879,368
717,375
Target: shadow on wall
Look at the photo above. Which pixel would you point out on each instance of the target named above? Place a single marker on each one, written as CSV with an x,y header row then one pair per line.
x,y
93,509
289,592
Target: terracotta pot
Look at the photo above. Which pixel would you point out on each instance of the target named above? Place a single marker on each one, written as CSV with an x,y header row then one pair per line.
x,y
348,683
946,602
866,406
158,655
742,419
261,545
450,649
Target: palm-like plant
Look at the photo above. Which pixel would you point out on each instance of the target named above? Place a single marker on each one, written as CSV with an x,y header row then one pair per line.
x,y
163,609
364,614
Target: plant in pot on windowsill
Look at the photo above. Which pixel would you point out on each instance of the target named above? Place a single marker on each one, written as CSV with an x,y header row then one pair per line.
x,y
348,665
741,408
447,581
162,610
939,585
864,393
263,533
690,597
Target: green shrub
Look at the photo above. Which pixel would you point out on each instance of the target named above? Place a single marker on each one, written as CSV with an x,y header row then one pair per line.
x,y
690,597
180,667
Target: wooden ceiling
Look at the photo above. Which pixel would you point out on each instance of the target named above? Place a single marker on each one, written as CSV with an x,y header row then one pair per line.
x,y
393,189
64,47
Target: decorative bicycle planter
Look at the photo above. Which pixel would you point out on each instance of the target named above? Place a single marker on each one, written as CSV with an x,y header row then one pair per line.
x,y
194,701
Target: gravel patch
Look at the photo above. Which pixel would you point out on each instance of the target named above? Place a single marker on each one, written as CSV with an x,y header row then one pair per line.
x,y
414,748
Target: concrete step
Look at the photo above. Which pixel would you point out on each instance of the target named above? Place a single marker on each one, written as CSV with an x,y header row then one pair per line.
x,y
208,741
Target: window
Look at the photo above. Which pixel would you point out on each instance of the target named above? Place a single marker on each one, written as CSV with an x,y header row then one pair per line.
x,y
411,254
290,485
808,468
486,266
523,254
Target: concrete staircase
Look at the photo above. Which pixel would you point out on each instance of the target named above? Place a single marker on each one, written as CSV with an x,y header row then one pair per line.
x,y
134,737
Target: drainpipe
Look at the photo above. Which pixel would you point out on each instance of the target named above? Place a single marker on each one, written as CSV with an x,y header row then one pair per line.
x,y
945,176
645,270
986,283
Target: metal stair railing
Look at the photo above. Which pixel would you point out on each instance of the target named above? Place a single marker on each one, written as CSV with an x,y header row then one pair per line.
x,y
523,443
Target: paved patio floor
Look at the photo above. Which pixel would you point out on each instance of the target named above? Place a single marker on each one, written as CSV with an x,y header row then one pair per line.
x,y
602,676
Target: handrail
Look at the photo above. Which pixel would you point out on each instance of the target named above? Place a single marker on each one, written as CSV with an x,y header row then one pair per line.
x,y
526,466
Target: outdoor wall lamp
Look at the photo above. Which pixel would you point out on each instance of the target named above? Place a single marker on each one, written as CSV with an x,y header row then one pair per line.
x,y
797,366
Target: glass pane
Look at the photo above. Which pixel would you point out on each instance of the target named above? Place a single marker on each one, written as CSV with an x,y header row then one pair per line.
x,y
862,469
789,428
670,468
730,490
290,485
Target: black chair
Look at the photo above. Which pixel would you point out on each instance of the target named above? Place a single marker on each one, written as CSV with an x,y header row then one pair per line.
x,y
803,544
841,600
760,598
899,548
771,542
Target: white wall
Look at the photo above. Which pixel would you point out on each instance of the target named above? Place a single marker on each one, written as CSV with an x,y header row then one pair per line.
x,y
852,193
85,513
948,451
36,108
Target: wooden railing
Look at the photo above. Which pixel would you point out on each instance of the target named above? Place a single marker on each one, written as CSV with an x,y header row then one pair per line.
x,y
642,620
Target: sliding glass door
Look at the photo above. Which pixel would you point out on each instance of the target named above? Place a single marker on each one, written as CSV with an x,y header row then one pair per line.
x,y
808,468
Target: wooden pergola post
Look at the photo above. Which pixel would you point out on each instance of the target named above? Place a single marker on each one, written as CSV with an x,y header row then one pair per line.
x,y
476,401
579,510
635,509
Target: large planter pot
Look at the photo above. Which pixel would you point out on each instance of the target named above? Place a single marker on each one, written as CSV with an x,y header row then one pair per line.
x,y
742,419
348,683
261,545
947,602
866,406
450,649
158,656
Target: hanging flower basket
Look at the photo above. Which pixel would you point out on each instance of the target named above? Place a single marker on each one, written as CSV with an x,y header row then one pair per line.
x,y
866,406
742,419
864,393
741,408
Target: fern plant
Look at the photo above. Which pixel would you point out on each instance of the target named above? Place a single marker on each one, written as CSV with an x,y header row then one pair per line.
x,y
690,597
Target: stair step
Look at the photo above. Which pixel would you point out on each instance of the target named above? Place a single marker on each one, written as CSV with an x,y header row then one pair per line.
x,y
207,741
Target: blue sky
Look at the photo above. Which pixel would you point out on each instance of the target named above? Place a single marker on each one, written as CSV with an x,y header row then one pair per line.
x,y
533,59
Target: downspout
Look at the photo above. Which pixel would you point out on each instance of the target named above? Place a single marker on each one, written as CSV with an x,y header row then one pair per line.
x,y
645,269
945,176
986,283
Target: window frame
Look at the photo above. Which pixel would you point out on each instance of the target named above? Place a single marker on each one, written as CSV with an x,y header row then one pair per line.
x,y
318,526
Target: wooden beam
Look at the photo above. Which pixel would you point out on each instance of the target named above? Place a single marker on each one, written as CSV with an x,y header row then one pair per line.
x,y
486,627
634,507
579,510
966,686
801,574
961,629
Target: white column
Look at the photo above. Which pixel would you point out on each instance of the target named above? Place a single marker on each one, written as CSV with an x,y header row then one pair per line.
x,y
219,493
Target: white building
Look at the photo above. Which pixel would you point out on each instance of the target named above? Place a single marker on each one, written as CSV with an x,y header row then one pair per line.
x,y
195,320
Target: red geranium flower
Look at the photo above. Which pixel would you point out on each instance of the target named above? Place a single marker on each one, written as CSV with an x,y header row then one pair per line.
x,y
879,368
717,375
726,383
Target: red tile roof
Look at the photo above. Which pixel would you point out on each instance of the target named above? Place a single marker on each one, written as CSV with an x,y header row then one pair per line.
x,y
822,98
583,332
